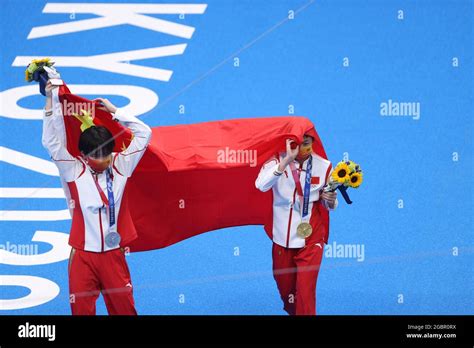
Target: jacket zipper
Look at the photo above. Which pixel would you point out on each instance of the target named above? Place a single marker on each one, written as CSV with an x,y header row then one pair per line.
x,y
101,231
291,213
289,220
100,222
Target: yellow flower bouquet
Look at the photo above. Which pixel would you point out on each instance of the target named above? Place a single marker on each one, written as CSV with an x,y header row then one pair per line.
x,y
41,70
345,174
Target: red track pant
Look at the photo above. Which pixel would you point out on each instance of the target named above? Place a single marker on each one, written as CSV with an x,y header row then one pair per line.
x,y
93,273
296,272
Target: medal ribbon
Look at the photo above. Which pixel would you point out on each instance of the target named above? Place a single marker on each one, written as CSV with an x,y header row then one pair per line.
x,y
110,193
110,203
307,184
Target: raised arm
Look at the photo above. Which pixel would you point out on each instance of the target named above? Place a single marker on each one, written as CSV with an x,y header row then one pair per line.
x,y
273,169
269,175
54,137
127,160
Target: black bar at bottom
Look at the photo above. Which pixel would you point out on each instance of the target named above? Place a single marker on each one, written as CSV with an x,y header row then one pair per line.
x,y
394,330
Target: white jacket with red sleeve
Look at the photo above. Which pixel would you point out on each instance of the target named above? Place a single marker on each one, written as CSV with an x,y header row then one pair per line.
x,y
286,202
90,220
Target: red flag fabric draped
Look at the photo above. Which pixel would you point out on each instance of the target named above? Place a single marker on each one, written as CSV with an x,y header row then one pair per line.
x,y
197,178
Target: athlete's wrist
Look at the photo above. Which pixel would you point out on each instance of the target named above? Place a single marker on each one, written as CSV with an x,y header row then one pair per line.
x,y
281,167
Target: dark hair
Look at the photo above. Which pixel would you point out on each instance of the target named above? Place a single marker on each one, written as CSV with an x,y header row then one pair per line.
x,y
96,141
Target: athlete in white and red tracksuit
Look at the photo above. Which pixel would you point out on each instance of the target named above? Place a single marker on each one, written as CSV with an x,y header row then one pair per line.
x,y
296,260
94,266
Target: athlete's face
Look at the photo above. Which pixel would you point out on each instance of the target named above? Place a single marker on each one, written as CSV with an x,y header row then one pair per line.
x,y
306,148
98,164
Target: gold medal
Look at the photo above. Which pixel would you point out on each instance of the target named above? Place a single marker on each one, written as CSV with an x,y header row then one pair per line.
x,y
304,230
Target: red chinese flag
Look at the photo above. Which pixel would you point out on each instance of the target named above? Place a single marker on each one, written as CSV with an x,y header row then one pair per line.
x,y
190,179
